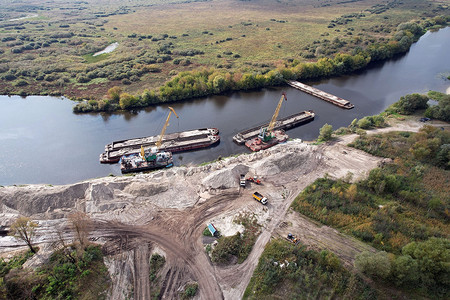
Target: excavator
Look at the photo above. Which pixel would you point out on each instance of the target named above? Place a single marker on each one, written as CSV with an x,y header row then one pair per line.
x,y
266,133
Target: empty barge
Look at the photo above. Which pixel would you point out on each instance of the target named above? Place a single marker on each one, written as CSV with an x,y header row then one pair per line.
x,y
172,142
321,94
284,123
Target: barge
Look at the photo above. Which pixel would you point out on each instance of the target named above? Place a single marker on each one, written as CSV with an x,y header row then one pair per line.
x,y
145,161
258,143
321,94
282,124
173,142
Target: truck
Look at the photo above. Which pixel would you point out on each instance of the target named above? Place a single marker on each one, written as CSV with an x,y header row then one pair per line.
x,y
242,180
258,197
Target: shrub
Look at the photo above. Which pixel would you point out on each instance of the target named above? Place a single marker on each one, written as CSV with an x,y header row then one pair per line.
x,y
127,101
21,82
410,103
375,265
206,232
325,133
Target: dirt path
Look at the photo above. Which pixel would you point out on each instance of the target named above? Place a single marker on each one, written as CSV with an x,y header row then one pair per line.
x,y
141,272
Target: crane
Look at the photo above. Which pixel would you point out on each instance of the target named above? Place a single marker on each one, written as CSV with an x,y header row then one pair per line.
x,y
265,133
163,131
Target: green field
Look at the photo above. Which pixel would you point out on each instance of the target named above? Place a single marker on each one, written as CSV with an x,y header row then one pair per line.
x,y
46,48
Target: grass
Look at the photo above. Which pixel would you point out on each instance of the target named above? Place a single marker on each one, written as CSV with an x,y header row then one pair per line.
x,y
286,271
91,59
70,273
238,245
399,203
239,27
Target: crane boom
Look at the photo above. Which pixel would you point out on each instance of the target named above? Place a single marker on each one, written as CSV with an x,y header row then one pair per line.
x,y
275,115
163,131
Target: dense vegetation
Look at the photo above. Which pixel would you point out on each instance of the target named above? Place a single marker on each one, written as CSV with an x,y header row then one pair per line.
x,y
398,203
422,266
239,245
441,111
71,273
48,48
402,208
286,271
156,264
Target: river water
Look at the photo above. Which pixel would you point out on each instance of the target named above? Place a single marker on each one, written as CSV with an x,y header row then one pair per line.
x,y
42,141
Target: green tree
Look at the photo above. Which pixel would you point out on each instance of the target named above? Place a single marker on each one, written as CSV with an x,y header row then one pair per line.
x,y
410,103
364,123
433,258
114,94
374,264
127,101
405,270
24,229
325,133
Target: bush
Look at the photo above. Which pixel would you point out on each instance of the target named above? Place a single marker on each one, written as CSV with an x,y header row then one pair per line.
x,y
440,111
375,265
325,133
21,82
410,103
206,232
81,78
127,101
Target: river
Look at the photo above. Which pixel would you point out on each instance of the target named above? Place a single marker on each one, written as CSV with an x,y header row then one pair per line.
x,y
42,141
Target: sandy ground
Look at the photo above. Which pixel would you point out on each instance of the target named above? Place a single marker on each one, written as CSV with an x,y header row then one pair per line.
x,y
166,212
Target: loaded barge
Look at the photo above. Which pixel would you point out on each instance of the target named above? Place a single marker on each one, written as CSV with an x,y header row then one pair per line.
x,y
284,123
321,94
173,142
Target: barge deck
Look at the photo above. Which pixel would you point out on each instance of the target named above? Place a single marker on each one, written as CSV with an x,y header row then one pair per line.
x,y
284,123
150,141
174,142
321,94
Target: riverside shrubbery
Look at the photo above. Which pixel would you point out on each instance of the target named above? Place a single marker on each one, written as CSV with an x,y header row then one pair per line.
x,y
420,266
71,273
286,271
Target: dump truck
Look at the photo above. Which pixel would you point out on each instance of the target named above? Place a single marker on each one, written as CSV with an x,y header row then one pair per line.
x,y
242,180
258,197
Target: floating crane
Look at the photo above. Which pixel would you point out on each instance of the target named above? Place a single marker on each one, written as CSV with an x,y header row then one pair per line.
x,y
265,134
163,131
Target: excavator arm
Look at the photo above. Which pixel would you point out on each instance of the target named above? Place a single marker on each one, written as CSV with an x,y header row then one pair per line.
x,y
163,131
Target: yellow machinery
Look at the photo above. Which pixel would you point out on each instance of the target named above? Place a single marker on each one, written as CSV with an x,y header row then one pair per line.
x,y
266,133
163,131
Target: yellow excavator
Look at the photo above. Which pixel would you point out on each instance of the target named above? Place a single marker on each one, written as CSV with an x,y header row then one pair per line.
x,y
265,133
